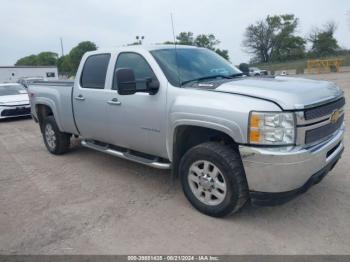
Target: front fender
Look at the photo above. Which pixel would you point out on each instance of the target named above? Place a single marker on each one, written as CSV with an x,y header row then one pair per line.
x,y
228,127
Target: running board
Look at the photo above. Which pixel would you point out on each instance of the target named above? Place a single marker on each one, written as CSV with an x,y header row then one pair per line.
x,y
105,148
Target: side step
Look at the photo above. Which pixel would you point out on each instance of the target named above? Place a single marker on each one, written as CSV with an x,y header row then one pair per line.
x,y
127,154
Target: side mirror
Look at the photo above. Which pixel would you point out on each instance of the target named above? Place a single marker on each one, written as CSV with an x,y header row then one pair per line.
x,y
152,86
125,81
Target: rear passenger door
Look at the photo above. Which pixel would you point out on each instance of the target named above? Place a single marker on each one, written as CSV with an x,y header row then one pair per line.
x,y
90,96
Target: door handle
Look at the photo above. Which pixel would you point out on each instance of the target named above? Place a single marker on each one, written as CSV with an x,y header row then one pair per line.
x,y
79,97
114,101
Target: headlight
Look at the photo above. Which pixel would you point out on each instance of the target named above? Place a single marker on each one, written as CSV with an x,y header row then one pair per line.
x,y
268,128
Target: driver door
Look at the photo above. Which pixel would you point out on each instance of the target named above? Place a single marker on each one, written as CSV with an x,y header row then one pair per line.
x,y
137,121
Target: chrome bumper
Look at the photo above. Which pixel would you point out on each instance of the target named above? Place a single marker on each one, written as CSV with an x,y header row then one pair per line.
x,y
288,168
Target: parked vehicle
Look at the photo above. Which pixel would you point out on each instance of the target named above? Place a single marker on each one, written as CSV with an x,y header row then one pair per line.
x,y
254,71
230,139
283,73
25,81
14,101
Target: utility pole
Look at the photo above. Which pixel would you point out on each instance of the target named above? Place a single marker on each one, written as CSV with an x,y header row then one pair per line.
x,y
61,46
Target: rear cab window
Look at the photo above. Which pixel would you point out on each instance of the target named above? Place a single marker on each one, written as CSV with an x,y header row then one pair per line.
x,y
94,71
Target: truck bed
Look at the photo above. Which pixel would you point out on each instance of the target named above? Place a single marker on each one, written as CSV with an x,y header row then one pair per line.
x,y
58,96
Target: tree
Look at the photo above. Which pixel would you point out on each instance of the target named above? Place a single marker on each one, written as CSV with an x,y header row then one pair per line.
x,y
323,41
210,42
274,39
77,53
67,64
207,41
42,59
223,53
27,61
292,47
47,58
64,65
244,68
185,38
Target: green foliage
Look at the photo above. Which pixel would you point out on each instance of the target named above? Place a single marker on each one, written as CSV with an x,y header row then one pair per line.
x,y
64,65
67,64
274,39
244,68
323,41
77,53
185,38
291,48
42,59
301,64
207,41
27,60
47,58
223,53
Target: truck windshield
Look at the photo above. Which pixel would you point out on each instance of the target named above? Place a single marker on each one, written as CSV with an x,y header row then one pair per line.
x,y
192,64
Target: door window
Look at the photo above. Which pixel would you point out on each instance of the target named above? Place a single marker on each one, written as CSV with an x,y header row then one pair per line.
x,y
138,64
94,71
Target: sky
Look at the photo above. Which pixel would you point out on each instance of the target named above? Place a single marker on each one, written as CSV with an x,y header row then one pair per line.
x,y
32,26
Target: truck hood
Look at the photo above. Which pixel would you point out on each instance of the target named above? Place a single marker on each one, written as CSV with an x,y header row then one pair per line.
x,y
290,93
12,100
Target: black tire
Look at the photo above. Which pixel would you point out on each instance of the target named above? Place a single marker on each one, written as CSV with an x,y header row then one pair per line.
x,y
229,162
62,140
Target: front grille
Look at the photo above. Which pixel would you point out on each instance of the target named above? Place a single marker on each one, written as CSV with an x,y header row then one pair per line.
x,y
323,131
323,110
16,112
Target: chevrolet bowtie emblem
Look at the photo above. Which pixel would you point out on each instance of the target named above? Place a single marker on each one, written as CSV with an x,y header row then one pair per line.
x,y
335,116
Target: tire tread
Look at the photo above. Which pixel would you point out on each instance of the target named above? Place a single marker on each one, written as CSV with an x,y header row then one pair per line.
x,y
62,139
230,157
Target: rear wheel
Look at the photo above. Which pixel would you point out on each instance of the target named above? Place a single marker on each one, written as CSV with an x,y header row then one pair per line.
x,y
213,179
55,141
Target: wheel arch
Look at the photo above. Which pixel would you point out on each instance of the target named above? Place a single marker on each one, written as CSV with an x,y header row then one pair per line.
x,y
186,136
44,109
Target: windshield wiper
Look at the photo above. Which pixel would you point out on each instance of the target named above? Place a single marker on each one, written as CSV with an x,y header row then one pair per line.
x,y
210,77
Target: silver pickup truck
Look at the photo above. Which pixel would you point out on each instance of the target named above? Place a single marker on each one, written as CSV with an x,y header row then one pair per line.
x,y
231,139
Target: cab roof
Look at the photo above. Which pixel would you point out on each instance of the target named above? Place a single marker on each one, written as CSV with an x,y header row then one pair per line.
x,y
142,47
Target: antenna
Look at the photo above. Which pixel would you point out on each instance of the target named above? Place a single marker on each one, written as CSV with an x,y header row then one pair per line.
x,y
175,45
172,25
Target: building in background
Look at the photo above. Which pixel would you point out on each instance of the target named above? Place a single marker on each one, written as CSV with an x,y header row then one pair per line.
x,y
10,74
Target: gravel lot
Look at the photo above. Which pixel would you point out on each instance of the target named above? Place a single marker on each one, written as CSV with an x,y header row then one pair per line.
x,y
87,202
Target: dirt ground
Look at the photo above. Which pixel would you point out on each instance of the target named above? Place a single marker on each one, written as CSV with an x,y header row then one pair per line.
x,y
87,202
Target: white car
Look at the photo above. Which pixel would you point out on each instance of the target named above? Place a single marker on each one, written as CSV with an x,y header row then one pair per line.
x,y
283,73
254,71
14,101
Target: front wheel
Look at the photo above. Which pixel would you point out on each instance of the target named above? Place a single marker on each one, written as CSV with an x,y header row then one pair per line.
x,y
55,141
213,179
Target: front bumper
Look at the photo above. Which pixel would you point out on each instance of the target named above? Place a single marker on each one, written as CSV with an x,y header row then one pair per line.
x,y
273,199
14,111
285,169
